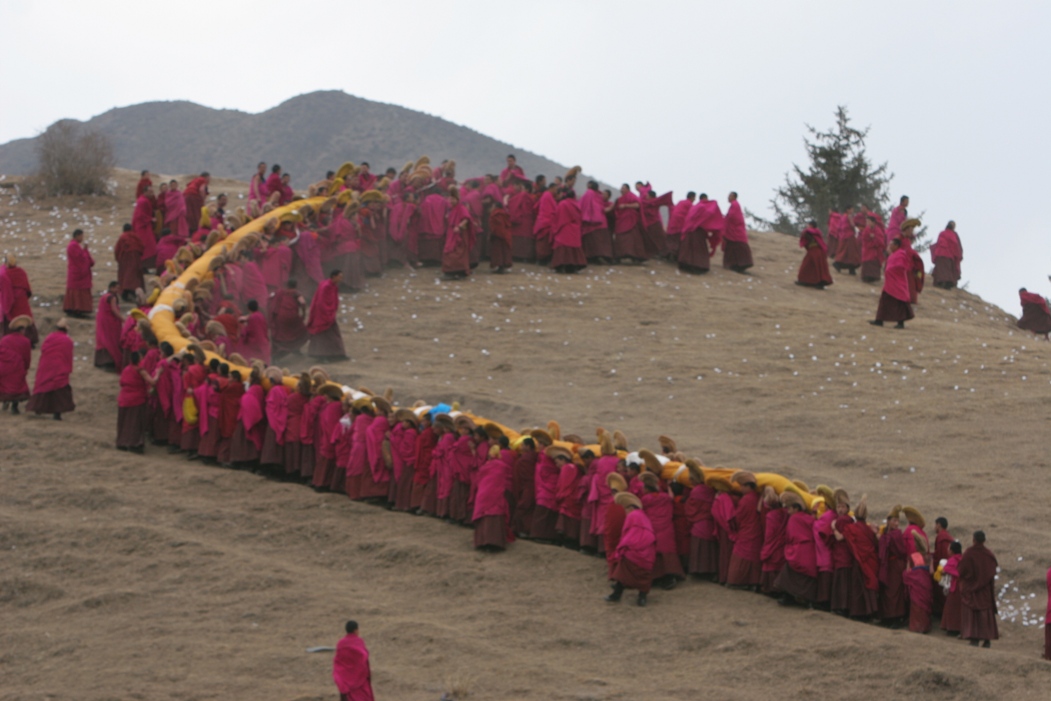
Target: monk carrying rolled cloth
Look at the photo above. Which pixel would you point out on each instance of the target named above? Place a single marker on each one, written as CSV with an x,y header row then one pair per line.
x,y
746,567
977,598
51,391
636,552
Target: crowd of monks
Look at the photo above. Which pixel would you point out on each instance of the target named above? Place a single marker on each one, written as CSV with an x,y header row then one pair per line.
x,y
859,239
273,293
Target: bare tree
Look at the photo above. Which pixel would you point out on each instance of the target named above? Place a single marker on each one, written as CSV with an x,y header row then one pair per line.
x,y
72,160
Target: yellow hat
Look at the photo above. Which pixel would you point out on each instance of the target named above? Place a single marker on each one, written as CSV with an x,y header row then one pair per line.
x,y
615,481
627,499
913,516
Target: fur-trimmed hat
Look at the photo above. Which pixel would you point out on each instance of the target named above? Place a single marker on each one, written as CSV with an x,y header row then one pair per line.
x,y
493,431
667,444
555,430
620,441
407,415
605,443
719,483
650,460
826,493
237,359
557,451
744,478
913,516
693,466
382,405
616,482
20,322
840,496
921,542
861,511
802,486
573,438
910,223
770,496
373,196
895,512
444,421
790,498
541,436
650,481
627,499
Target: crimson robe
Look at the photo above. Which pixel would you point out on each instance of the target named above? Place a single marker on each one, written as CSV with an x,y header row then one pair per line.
x,y
324,307
350,669
142,225
255,338
55,364
128,253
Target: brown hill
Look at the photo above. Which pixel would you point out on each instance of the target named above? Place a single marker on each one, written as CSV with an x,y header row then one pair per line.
x,y
307,135
156,578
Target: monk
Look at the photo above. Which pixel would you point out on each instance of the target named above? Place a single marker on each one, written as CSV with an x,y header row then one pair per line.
x,y
704,542
595,237
230,386
659,507
977,596
491,514
51,391
813,271
943,540
873,249
892,554
175,216
257,191
775,519
737,253
376,478
108,323
654,237
894,301
16,293
723,508
77,302
545,516
460,233
1036,316
864,546
899,215
628,244
848,252
544,225
142,225
512,172
567,254
350,667
254,339
915,275
918,584
947,254
326,341
500,240
950,586
797,580
701,235
745,560
194,195
132,399
636,552
520,207
567,499
128,254
273,181
144,183
247,440
15,358
524,488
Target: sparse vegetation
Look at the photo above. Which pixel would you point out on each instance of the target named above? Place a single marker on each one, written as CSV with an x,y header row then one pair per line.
x,y
72,160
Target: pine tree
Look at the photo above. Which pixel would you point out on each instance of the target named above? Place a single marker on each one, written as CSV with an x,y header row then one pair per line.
x,y
840,175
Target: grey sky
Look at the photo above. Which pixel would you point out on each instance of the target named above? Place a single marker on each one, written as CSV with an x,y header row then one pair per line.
x,y
689,95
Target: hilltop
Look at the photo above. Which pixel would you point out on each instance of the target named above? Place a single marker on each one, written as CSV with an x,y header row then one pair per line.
x,y
154,577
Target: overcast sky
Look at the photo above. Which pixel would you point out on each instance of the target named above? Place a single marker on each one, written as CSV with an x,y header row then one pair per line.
x,y
690,95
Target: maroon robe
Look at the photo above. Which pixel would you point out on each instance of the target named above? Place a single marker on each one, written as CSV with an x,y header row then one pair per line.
x,y
78,279
977,594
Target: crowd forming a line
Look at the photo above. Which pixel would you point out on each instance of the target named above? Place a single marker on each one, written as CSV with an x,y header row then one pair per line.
x,y
650,525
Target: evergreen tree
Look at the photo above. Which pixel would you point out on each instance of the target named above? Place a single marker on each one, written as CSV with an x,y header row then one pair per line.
x,y
840,175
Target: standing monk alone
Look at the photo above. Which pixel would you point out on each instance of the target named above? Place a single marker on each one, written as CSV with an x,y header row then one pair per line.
x,y
78,277
325,339
350,668
977,598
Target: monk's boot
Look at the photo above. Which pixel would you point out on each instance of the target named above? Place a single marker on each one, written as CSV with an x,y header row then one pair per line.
x,y
641,600
876,322
899,325
618,591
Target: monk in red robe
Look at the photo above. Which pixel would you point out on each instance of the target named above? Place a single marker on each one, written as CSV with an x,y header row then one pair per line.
x,y
254,339
653,236
676,220
918,584
524,488
775,519
894,302
595,237
628,244
460,233
350,667
864,546
132,399
543,227
746,558
194,195
848,251
892,554
977,594
142,225
545,516
873,249
704,542
636,552
899,215
947,254
15,358
326,341
287,306
950,586
15,293
77,302
813,271
144,184
1036,316
231,388
659,507
128,254
701,234
520,207
915,269
51,391
108,323
432,224
500,238
737,253
491,514
943,540
798,578
567,255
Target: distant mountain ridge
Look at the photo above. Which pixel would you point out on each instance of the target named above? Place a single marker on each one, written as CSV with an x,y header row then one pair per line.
x,y
307,134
